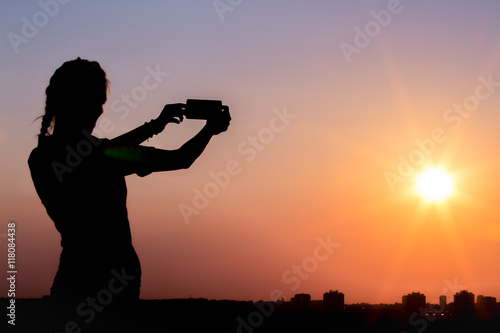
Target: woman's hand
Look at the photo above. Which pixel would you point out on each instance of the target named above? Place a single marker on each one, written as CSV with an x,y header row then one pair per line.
x,y
219,122
171,113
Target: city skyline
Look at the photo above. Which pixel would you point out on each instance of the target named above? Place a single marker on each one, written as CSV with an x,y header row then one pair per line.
x,y
302,312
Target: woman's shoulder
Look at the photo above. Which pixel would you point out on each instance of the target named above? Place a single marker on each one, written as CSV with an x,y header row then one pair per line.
x,y
43,149
34,155
52,148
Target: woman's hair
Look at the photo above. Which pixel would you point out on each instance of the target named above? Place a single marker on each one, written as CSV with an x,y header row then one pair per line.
x,y
76,93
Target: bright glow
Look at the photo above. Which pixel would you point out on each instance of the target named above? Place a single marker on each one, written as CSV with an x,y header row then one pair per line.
x,y
434,184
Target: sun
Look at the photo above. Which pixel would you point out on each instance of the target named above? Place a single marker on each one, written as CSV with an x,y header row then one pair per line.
x,y
434,184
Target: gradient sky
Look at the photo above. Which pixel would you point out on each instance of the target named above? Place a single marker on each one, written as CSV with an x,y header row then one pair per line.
x,y
321,174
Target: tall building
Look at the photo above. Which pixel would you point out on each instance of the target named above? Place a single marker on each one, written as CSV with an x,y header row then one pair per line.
x,y
301,301
486,306
442,302
485,302
464,304
333,301
480,299
414,303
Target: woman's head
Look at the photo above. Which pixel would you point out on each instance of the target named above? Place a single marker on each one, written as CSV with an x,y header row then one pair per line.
x,y
75,96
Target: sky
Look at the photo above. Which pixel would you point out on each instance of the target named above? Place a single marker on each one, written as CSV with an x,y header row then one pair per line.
x,y
337,106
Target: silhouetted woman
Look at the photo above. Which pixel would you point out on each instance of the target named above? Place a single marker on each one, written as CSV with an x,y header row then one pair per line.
x,y
80,180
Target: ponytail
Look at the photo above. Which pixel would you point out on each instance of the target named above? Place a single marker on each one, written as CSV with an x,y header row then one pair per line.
x,y
47,118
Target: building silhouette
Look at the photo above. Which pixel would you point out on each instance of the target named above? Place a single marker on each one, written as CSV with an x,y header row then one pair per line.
x,y
464,305
414,303
301,301
442,303
333,301
486,307
486,302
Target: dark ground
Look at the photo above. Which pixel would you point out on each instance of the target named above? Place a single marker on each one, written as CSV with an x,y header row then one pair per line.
x,y
202,315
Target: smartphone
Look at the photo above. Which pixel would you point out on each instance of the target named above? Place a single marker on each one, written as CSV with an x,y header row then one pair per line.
x,y
202,108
